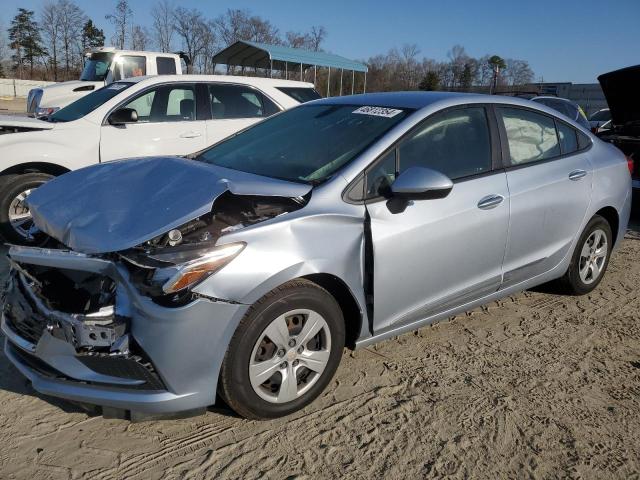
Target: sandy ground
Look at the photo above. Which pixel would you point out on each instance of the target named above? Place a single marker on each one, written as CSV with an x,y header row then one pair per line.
x,y
533,386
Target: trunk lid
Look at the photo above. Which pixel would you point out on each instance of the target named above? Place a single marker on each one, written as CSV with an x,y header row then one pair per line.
x,y
621,90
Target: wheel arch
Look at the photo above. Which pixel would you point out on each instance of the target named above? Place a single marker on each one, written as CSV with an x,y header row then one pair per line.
x,y
35,167
347,302
610,214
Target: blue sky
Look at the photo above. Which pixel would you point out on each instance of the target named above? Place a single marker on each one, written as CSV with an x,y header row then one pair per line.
x,y
563,40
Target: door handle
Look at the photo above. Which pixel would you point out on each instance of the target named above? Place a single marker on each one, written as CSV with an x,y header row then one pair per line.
x,y
190,135
490,201
577,175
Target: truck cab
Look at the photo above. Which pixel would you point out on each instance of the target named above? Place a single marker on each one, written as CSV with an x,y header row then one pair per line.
x,y
103,66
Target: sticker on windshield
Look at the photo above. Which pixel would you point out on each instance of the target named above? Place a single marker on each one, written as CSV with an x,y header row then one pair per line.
x,y
378,111
117,86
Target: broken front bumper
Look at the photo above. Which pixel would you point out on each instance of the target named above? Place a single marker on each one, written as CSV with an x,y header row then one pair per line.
x,y
179,350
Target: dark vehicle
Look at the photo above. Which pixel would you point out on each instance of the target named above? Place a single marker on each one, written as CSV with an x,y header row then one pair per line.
x,y
620,87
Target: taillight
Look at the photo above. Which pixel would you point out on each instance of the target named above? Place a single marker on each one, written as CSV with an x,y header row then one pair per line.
x,y
630,163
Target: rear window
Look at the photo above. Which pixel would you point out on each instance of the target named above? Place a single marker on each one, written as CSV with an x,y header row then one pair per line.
x,y
300,94
165,66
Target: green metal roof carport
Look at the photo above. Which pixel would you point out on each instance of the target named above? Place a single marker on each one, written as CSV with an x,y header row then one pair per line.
x,y
244,53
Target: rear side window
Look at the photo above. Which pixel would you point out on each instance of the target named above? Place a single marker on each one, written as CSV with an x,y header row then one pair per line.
x,y
165,66
568,138
301,95
132,66
583,141
239,101
531,136
456,143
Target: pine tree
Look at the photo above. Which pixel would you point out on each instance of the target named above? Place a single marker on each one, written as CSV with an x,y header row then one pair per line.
x,y
92,36
25,39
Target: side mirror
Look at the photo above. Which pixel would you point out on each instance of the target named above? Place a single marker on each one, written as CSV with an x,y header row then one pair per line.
x,y
123,116
421,183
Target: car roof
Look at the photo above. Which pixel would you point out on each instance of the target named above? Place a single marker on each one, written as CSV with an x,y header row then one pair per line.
x,y
257,81
419,100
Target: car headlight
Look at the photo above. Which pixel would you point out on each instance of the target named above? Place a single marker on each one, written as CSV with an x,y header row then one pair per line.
x,y
46,111
191,272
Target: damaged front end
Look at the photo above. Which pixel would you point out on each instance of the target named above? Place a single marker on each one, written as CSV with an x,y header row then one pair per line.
x,y
111,328
166,267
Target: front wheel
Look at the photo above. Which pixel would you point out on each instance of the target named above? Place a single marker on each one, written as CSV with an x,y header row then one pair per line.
x,y
284,352
15,218
590,258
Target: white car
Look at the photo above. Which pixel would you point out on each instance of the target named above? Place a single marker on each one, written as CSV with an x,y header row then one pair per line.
x,y
102,66
138,117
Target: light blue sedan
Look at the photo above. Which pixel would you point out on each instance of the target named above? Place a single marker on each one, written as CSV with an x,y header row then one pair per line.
x,y
244,271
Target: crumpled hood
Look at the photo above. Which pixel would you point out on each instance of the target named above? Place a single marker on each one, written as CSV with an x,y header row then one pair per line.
x,y
24,122
117,205
621,89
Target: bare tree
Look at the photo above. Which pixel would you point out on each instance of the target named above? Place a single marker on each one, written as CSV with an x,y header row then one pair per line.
x,y
317,36
233,26
192,30
163,19
120,19
51,27
72,18
140,38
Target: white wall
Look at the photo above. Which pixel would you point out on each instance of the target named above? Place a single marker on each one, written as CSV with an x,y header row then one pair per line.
x,y
10,87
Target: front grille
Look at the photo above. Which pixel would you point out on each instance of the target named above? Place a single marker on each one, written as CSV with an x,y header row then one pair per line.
x,y
21,317
130,367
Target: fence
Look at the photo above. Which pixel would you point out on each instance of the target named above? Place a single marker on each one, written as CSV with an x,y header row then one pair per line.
x,y
13,88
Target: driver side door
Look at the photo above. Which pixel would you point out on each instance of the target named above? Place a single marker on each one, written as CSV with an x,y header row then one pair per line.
x,y
430,255
167,124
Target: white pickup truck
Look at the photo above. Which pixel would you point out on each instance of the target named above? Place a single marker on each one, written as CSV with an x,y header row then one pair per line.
x,y
103,66
134,117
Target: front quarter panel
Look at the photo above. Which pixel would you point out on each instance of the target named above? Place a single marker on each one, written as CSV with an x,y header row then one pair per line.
x,y
315,239
71,146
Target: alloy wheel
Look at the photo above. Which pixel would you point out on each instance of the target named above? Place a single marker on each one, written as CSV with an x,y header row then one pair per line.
x,y
593,257
290,356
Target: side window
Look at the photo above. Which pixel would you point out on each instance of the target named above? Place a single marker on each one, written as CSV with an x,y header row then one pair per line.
x,y
568,138
133,66
583,141
456,143
142,105
165,66
167,103
531,136
380,177
238,101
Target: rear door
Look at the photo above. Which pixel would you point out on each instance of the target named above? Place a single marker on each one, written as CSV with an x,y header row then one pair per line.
x,y
168,124
549,176
235,107
434,254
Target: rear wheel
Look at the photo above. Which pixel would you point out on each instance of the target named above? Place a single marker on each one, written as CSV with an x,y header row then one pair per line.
x,y
15,218
284,352
590,258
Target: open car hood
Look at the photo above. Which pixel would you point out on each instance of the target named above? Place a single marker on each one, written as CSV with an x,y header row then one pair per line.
x,y
118,205
621,88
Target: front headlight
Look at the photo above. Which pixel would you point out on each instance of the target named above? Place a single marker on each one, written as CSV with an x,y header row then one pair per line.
x,y
46,111
190,273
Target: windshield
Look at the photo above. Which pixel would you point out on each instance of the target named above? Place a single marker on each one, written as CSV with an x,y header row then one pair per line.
x,y
306,144
300,94
88,103
96,67
601,116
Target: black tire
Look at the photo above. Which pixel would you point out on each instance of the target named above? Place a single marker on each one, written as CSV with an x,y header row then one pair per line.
x,y
571,282
234,383
10,187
